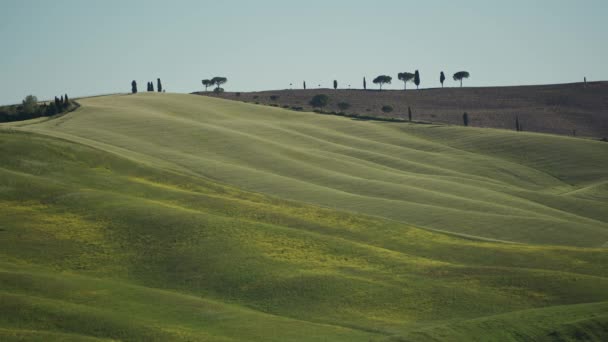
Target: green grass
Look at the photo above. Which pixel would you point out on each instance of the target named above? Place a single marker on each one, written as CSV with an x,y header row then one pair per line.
x,y
131,219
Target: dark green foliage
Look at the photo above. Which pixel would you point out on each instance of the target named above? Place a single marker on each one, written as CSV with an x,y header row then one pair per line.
x,y
387,109
255,97
304,85
159,86
382,79
207,84
344,105
134,87
335,84
517,126
218,81
441,78
319,101
417,79
465,119
30,104
459,76
51,109
405,77
364,84
237,94
274,97
409,113
66,101
218,90
57,103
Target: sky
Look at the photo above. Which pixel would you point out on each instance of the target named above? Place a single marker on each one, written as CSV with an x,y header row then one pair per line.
x,y
86,47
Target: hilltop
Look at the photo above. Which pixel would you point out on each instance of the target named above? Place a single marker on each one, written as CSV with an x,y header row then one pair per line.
x,y
557,109
178,217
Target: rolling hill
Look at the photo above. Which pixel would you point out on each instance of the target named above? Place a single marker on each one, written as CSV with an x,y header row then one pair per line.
x,y
180,217
557,109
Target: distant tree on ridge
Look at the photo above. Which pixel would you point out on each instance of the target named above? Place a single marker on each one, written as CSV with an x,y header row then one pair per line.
x,y
335,84
405,77
134,87
381,80
460,75
159,86
441,78
417,79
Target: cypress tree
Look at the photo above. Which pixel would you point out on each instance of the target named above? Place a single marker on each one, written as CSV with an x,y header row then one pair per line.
x,y
304,85
364,84
465,119
517,127
66,103
441,78
159,87
335,84
417,79
409,112
57,104
134,87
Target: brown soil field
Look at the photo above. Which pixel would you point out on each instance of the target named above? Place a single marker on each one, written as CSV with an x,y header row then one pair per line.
x,y
567,109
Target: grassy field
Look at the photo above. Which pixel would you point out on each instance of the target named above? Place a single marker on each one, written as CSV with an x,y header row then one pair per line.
x,y
179,217
555,108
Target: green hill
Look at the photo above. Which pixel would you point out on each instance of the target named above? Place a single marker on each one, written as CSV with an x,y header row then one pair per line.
x,y
132,218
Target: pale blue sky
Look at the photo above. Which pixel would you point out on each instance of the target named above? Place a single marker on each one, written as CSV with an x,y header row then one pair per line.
x,y
95,47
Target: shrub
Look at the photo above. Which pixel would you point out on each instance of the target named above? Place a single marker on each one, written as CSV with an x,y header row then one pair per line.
x,y
286,106
319,101
238,94
274,97
255,97
387,108
343,105
218,90
297,108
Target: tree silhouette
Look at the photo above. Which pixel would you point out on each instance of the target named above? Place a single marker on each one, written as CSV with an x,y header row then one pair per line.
x,y
134,87
517,126
364,84
417,79
159,86
304,85
405,77
66,102
409,112
218,81
381,80
460,75
206,84
441,78
335,84
465,119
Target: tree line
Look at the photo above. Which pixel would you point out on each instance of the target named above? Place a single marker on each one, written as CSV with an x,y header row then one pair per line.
x,y
149,87
30,108
406,77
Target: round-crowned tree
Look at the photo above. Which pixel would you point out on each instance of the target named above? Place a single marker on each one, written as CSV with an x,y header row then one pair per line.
x,y
382,80
459,76
319,101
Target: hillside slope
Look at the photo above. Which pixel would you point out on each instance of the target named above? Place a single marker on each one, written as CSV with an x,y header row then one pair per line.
x,y
557,109
101,242
491,184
